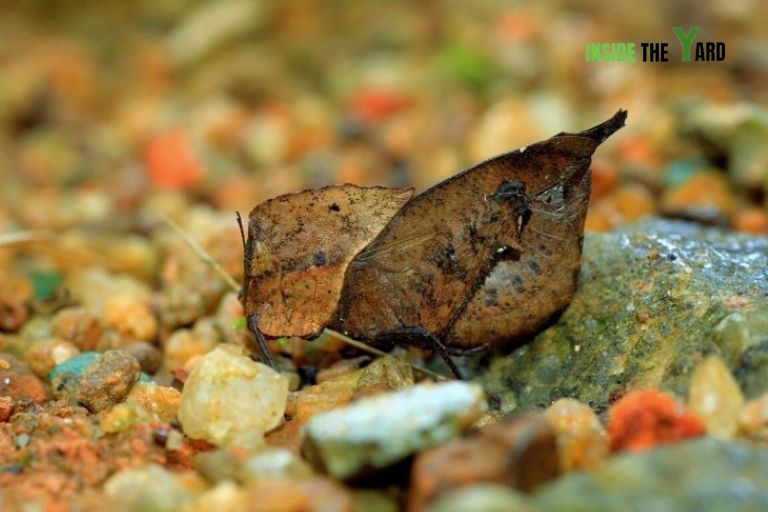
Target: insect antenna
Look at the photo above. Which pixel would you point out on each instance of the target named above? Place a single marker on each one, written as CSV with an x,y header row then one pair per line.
x,y
241,293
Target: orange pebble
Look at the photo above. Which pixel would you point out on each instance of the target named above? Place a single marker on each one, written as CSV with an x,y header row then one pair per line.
x,y
374,105
752,220
646,418
171,161
633,201
604,178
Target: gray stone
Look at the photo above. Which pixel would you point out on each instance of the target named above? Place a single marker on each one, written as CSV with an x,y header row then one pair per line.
x,y
702,475
382,430
649,300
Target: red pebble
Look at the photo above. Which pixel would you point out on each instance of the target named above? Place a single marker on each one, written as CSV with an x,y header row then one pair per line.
x,y
6,408
171,161
376,104
646,418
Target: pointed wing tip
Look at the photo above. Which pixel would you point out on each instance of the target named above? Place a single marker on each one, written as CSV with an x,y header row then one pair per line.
x,y
607,128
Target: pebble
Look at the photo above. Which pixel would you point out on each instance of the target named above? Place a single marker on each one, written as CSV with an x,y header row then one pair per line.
x,y
108,380
122,417
65,377
645,418
18,382
183,345
581,439
230,400
273,462
42,356
162,402
715,397
379,431
78,326
150,357
315,494
6,408
483,498
131,316
520,452
149,488
753,419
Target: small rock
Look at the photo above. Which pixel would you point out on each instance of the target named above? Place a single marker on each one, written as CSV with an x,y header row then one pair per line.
x,y
183,345
384,374
42,356
715,397
581,439
6,408
65,377
379,431
108,380
122,417
753,419
368,500
483,498
18,382
230,400
78,326
645,418
149,356
149,488
162,402
315,494
131,316
519,452
224,497
703,474
273,462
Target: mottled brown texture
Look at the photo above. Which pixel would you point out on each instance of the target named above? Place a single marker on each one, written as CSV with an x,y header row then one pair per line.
x,y
299,246
421,269
108,380
519,452
485,257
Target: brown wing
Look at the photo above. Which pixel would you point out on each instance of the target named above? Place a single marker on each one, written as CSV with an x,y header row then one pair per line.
x,y
423,267
299,246
519,297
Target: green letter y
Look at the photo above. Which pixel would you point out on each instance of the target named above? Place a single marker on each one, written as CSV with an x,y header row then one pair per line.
x,y
686,40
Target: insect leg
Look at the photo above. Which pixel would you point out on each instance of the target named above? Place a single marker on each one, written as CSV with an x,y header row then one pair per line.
x,y
421,336
266,354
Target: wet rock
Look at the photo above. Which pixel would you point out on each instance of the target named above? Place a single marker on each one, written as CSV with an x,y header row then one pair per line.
x,y
108,380
483,498
18,382
715,397
705,474
742,337
149,488
519,452
581,439
230,400
376,432
649,298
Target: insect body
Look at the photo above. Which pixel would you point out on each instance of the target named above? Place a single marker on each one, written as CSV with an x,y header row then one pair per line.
x,y
485,257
